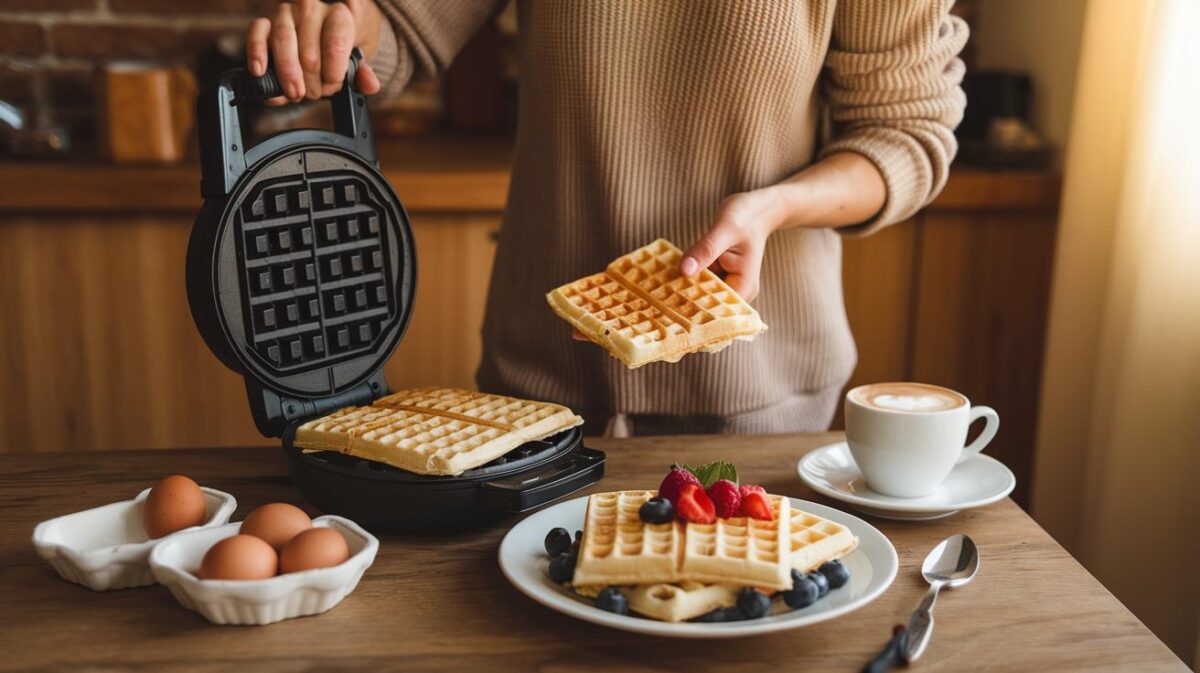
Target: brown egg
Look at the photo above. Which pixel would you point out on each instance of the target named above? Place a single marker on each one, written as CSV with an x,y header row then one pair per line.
x,y
315,548
174,503
276,524
241,557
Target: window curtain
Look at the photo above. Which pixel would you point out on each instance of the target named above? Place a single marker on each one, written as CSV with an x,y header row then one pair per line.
x,y
1117,477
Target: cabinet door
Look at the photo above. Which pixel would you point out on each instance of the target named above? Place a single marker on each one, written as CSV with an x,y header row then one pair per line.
x,y
980,320
454,262
877,279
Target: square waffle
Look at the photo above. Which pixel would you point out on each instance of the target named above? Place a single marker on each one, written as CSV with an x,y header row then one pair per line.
x,y
816,540
618,548
437,431
642,309
813,541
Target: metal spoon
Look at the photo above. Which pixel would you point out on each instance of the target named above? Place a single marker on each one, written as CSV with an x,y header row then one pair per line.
x,y
952,563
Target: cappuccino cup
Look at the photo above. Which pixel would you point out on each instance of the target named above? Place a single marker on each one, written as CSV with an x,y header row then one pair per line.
x,y
907,437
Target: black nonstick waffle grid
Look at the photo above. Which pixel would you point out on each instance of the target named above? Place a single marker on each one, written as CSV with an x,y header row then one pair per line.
x,y
316,284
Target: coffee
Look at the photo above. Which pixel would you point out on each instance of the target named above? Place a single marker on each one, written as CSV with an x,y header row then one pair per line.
x,y
912,397
906,437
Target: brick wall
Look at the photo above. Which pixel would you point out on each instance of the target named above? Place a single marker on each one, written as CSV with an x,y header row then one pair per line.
x,y
48,48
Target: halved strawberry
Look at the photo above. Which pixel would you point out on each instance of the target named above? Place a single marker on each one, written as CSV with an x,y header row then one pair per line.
x,y
755,506
694,505
674,482
751,488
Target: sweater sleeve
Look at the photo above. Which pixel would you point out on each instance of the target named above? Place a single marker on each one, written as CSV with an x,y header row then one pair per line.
x,y
893,90
423,36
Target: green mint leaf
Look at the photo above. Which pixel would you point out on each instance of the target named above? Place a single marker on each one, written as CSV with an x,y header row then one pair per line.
x,y
710,473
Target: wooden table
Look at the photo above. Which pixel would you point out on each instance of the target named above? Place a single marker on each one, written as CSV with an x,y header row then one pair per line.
x,y
439,602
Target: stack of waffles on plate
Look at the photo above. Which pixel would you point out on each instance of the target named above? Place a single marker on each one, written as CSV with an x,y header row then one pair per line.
x,y
677,571
439,431
642,309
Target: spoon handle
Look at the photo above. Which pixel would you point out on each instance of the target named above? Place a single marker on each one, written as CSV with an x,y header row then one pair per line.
x,y
920,625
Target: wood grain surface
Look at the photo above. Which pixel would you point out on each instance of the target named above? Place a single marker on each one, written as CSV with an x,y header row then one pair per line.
x,y
440,603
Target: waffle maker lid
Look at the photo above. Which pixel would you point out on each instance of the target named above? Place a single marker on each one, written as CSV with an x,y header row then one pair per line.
x,y
301,267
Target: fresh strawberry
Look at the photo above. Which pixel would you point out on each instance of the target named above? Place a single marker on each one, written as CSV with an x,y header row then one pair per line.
x,y
751,488
755,506
725,497
694,505
674,482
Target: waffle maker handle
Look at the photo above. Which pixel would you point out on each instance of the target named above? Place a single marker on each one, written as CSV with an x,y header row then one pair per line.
x,y
528,490
224,156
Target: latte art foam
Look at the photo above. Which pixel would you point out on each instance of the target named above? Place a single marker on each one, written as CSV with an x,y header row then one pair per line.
x,y
914,397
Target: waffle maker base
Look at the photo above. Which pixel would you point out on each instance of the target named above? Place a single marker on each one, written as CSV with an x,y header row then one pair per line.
x,y
385,498
301,275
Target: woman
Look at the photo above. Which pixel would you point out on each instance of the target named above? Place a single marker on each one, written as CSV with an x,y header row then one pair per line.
x,y
695,121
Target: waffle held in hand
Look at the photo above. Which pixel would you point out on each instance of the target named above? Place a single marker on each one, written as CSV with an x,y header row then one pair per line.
x,y
643,309
436,431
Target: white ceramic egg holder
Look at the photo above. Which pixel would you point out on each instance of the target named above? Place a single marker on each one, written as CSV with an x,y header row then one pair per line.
x,y
106,547
310,592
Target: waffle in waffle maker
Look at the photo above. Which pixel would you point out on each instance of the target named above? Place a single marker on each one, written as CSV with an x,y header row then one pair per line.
x,y
301,273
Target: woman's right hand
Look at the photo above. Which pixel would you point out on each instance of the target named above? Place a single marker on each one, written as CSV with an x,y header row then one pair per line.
x,y
310,43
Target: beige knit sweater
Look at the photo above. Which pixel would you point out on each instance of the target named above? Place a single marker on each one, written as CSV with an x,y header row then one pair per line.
x,y
636,117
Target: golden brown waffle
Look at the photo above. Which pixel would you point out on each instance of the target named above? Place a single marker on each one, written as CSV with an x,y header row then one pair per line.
x,y
813,541
440,431
679,602
642,309
816,540
618,548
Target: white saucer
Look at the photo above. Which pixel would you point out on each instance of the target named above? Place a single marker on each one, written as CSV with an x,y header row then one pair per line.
x,y
979,480
523,560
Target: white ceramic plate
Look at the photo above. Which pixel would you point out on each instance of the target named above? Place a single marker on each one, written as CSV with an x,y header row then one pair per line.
x,y
979,480
524,562
309,592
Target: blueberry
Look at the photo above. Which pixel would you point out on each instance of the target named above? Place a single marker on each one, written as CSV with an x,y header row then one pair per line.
x,y
836,573
657,510
562,567
558,541
753,603
721,615
821,581
804,592
578,541
612,600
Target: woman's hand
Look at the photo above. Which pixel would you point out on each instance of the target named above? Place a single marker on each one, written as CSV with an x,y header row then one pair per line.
x,y
733,247
311,42
842,189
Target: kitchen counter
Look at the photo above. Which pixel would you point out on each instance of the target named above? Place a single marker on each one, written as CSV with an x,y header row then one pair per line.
x,y
463,173
439,602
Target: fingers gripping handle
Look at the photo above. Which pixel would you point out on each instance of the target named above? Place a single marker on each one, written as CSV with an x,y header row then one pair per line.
x,y
224,156
252,88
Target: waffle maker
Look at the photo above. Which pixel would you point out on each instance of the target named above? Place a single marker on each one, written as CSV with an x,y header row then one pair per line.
x,y
301,272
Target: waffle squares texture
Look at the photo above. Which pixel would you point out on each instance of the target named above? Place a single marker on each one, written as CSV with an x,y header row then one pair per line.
x,y
435,431
618,548
642,309
810,541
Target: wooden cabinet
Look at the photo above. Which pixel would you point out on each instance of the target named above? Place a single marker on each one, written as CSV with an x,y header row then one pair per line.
x,y
100,352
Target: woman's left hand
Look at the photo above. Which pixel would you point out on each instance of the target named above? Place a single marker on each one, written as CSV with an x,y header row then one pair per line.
x,y
733,246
